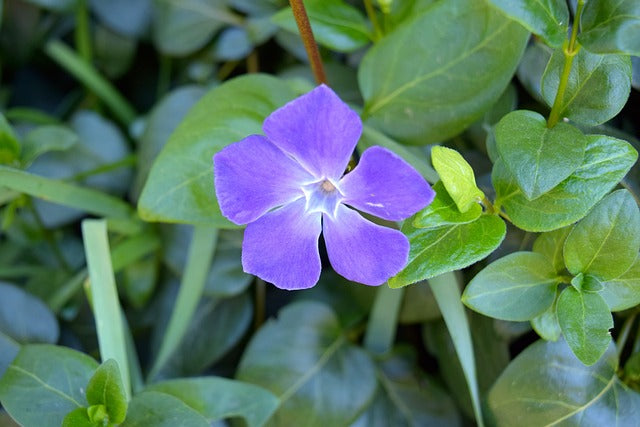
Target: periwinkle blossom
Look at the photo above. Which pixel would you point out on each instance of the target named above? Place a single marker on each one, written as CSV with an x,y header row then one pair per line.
x,y
289,186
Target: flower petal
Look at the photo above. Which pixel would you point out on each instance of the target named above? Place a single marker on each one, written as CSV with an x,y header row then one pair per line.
x,y
281,247
318,130
253,176
362,251
386,186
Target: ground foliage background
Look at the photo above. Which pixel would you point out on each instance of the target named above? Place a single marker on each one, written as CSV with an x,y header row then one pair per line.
x,y
112,247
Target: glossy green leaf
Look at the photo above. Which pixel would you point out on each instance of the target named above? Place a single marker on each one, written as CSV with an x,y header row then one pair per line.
x,y
162,121
431,97
546,324
548,19
180,184
79,417
182,27
547,385
106,388
44,139
335,24
606,242
538,158
597,89
439,250
532,66
44,383
406,398
305,359
551,244
606,161
585,320
151,408
9,146
9,349
201,345
517,287
611,26
218,398
443,211
25,318
624,291
457,177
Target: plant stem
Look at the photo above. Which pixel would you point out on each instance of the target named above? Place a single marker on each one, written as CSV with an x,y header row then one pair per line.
x,y
570,50
82,34
300,14
371,13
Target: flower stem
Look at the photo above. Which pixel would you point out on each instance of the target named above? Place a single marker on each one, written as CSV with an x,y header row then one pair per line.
x,y
300,14
570,50
371,13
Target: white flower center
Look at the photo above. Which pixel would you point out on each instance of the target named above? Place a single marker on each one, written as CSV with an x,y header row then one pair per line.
x,y
322,196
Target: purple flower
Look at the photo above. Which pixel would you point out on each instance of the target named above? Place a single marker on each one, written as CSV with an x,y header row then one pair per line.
x,y
288,187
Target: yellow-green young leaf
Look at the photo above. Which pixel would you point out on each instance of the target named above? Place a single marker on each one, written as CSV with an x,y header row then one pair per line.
x,y
106,388
611,26
585,320
415,80
517,287
547,18
623,292
597,89
606,161
457,176
606,242
547,386
539,158
443,211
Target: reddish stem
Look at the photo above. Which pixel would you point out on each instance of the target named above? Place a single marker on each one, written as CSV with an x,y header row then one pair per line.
x,y
300,14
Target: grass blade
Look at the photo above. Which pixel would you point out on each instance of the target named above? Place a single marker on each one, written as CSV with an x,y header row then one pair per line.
x,y
104,297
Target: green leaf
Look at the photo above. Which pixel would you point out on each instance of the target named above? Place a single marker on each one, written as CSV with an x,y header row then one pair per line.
x,y
180,184
517,287
219,398
585,320
606,161
44,383
532,66
539,158
597,89
547,385
548,19
611,26
335,24
182,27
624,291
439,250
44,139
443,211
79,417
106,388
457,176
25,318
9,146
151,408
415,81
418,305
305,359
606,242
9,349
546,324
161,122
407,398
551,244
